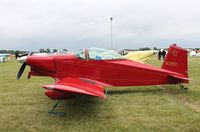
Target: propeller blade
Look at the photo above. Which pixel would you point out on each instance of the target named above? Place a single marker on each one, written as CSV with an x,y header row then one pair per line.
x,y
26,54
21,70
23,55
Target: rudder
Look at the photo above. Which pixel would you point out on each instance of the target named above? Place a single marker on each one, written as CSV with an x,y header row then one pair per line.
x,y
176,60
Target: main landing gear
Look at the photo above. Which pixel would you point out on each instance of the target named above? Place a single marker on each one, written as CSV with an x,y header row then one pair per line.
x,y
52,112
182,87
105,91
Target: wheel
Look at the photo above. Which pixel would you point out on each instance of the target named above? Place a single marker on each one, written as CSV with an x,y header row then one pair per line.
x,y
185,88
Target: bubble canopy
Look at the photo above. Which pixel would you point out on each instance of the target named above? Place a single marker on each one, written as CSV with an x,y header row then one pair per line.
x,y
98,54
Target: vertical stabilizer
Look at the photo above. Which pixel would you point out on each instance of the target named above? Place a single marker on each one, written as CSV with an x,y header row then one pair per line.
x,y
176,60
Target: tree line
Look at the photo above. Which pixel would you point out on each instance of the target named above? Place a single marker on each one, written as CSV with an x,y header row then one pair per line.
x,y
22,52
12,51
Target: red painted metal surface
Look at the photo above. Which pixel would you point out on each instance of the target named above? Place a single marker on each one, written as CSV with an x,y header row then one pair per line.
x,y
90,77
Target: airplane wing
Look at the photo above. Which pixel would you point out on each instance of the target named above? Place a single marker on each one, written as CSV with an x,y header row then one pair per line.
x,y
79,86
140,56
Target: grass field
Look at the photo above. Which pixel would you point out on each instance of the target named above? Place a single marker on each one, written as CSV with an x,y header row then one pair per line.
x,y
23,106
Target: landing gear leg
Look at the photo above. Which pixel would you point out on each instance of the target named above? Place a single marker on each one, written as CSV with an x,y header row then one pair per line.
x,y
182,87
51,111
106,91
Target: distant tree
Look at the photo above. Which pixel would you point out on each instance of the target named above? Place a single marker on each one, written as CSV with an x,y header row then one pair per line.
x,y
3,51
48,50
22,52
10,51
146,48
41,50
55,50
65,50
7,51
155,48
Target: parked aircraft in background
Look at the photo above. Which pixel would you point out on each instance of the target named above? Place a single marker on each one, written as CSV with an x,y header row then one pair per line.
x,y
194,53
140,56
4,57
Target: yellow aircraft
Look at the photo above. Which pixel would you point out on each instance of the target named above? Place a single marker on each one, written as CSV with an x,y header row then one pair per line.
x,y
140,56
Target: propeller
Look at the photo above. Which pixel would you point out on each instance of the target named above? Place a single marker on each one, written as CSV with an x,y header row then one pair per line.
x,y
21,70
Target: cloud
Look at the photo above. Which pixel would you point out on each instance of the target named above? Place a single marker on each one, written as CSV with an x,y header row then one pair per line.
x,y
31,25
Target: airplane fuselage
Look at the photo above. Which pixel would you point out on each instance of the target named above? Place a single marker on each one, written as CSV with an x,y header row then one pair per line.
x,y
121,72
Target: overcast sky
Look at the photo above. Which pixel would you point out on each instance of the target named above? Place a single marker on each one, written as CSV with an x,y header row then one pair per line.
x,y
76,24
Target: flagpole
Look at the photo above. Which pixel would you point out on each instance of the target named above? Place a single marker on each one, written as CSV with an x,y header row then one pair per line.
x,y
111,34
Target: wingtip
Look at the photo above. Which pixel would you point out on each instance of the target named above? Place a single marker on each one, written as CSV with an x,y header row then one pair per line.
x,y
49,87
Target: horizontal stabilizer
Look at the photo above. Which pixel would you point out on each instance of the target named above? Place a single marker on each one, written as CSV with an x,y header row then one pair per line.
x,y
180,77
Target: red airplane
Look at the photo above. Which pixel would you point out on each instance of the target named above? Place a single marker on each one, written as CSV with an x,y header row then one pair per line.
x,y
90,70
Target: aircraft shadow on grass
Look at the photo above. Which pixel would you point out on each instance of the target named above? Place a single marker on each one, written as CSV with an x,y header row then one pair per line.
x,y
159,89
132,91
85,107
81,107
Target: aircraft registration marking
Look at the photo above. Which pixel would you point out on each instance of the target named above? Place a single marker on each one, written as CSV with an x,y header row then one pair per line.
x,y
171,63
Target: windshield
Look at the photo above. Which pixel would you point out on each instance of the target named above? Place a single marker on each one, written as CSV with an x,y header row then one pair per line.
x,y
99,54
80,54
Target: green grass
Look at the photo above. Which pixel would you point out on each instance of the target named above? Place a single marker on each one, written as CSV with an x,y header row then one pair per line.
x,y
23,106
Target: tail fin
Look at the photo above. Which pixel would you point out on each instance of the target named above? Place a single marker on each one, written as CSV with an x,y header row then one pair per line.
x,y
176,60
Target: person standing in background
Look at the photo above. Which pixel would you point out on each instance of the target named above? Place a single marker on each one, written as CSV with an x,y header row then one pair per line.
x,y
163,54
159,54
